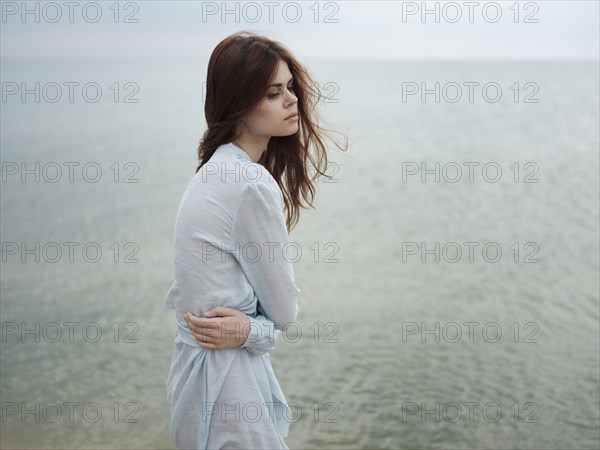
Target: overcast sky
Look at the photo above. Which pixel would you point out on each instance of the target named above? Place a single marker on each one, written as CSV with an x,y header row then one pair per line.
x,y
332,30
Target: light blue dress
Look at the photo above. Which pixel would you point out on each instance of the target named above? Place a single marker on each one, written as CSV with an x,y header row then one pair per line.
x,y
230,250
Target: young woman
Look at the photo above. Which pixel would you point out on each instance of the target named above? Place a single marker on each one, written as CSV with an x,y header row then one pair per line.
x,y
234,288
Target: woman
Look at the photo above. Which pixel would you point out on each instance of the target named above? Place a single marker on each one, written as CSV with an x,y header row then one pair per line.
x,y
234,288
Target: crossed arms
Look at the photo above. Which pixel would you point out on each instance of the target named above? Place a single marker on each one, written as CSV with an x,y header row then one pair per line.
x,y
258,220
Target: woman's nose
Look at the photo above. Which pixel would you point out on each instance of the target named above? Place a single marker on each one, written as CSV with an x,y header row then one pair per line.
x,y
292,98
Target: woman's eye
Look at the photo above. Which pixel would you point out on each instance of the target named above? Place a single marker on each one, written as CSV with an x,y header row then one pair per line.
x,y
276,94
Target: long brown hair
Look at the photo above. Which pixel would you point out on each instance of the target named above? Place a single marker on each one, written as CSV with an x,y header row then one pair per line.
x,y
239,72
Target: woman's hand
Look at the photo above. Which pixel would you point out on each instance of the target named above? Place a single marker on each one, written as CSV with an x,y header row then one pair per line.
x,y
220,328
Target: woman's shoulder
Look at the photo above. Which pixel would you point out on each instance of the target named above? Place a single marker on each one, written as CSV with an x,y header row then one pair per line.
x,y
230,171
258,181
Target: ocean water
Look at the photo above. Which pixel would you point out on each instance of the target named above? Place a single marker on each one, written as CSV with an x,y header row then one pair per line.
x,y
449,312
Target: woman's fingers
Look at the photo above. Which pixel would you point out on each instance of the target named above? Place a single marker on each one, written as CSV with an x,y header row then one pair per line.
x,y
201,324
204,327
224,312
224,331
205,332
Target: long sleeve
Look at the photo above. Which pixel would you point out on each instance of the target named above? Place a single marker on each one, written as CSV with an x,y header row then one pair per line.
x,y
259,237
263,334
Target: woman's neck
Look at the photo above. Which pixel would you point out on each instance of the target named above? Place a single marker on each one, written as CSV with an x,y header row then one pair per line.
x,y
253,149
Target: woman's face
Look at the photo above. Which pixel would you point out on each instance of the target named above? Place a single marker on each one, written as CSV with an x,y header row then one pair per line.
x,y
270,117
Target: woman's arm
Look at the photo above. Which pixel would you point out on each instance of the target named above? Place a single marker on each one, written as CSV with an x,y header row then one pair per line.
x,y
227,328
260,238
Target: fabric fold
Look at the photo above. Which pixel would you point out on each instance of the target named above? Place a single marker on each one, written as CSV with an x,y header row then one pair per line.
x,y
199,384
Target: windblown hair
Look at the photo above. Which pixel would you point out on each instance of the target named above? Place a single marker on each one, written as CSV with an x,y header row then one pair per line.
x,y
240,70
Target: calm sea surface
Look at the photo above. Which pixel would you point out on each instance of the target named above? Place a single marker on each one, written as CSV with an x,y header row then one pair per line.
x,y
449,272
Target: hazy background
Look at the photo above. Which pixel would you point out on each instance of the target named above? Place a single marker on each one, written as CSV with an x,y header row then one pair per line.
x,y
379,353
334,30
